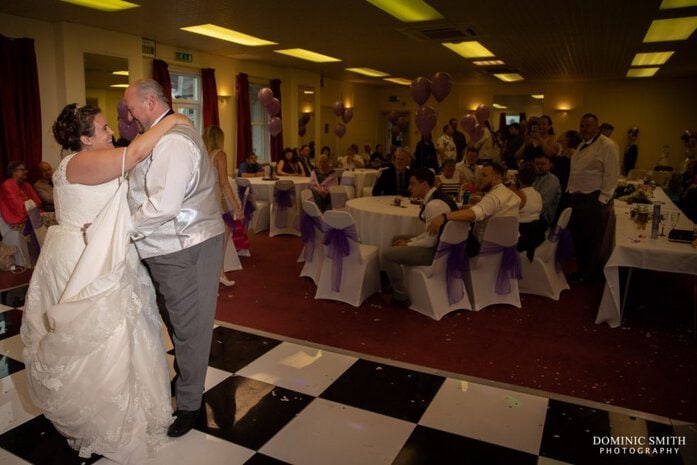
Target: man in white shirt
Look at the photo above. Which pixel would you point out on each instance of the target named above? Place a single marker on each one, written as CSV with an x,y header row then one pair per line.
x,y
418,250
594,173
445,146
548,186
468,168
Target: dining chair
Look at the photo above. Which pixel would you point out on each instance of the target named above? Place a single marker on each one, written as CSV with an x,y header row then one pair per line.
x,y
493,273
339,195
258,210
439,288
312,233
348,180
284,216
350,271
242,196
306,194
544,275
368,182
16,238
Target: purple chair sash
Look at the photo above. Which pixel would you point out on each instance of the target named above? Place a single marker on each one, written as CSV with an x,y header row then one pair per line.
x,y
565,246
308,224
509,268
456,265
248,206
338,247
284,199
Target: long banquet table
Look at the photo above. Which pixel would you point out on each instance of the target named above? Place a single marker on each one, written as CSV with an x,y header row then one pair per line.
x,y
634,248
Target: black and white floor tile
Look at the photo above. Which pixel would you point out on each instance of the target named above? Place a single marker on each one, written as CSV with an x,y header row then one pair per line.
x,y
273,401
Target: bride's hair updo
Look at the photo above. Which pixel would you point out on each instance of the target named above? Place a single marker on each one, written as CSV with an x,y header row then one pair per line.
x,y
72,123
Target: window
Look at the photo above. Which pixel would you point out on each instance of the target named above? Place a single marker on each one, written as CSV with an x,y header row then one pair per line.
x,y
261,141
186,95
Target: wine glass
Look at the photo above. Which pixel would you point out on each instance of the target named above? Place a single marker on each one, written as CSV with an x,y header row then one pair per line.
x,y
674,218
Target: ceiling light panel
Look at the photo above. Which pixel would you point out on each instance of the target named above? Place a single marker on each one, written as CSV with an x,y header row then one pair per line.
x,y
670,4
664,30
408,11
509,77
649,59
398,80
469,49
307,55
488,62
642,72
104,5
229,35
368,72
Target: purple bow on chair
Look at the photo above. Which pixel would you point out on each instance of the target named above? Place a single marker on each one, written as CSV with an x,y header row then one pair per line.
x,y
456,265
509,268
338,247
283,200
247,205
308,224
565,246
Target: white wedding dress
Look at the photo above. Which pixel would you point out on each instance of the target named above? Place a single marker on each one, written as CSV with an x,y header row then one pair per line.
x,y
95,360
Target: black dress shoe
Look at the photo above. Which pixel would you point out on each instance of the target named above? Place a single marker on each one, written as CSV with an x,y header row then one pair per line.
x,y
183,423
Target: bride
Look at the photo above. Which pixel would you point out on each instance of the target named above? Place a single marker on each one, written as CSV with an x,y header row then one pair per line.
x,y
93,349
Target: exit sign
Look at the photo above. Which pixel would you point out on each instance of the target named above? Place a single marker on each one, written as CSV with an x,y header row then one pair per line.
x,y
180,56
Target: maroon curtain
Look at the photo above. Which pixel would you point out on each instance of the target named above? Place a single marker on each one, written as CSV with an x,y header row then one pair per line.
x,y
160,73
277,141
244,118
210,98
20,104
502,121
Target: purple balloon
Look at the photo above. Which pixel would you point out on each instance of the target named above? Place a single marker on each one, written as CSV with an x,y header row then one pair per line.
x,y
441,85
301,131
273,108
425,119
420,90
482,113
468,122
338,108
347,116
127,129
339,129
304,119
265,96
392,117
275,126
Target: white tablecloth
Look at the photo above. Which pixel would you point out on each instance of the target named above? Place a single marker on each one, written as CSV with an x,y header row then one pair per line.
x,y
263,189
635,248
377,221
363,177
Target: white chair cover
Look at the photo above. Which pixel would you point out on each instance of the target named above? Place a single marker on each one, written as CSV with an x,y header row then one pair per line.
x,y
500,232
241,194
17,239
348,181
430,291
312,232
339,195
259,219
350,271
306,194
284,210
368,183
544,276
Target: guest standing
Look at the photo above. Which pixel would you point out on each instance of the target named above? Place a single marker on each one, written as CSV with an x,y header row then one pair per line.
x,y
631,152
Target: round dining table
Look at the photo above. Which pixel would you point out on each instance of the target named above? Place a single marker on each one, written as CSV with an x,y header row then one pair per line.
x,y
378,220
263,187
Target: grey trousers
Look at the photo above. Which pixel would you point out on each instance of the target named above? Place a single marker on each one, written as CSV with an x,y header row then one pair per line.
x,y
186,283
395,256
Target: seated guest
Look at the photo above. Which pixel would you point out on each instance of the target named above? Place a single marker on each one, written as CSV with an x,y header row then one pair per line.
x,y
290,165
44,186
366,154
497,201
13,193
352,159
468,168
250,168
418,250
531,227
394,180
548,186
377,158
305,160
449,179
322,178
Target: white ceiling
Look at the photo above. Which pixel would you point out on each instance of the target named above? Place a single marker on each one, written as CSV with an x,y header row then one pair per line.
x,y
541,39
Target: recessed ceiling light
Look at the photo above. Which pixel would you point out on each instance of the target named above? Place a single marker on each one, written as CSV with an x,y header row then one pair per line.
x,y
408,11
368,72
469,49
642,72
488,62
309,92
509,77
398,80
648,59
223,33
670,4
307,55
663,30
538,96
122,86
104,5
120,73
499,106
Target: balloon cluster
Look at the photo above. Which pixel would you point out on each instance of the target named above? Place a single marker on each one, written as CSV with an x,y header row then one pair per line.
x,y
422,88
302,122
473,125
346,115
273,109
127,129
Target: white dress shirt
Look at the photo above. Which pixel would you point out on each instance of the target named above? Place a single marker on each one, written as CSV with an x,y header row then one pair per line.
x,y
433,208
533,205
499,201
595,167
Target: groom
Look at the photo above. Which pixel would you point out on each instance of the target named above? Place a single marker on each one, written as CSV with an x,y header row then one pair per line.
x,y
179,236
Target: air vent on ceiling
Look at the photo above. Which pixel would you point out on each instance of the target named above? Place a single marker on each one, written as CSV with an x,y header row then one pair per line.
x,y
442,32
148,47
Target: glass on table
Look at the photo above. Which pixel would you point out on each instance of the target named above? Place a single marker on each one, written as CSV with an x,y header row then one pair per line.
x,y
674,218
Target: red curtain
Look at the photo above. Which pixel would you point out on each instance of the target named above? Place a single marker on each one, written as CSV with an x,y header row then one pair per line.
x,y
160,73
20,104
277,141
244,118
210,98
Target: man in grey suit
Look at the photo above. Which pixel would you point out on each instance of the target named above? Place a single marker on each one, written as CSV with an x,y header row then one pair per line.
x,y
179,235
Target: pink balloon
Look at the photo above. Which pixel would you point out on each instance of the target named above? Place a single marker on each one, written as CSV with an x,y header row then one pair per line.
x,y
338,108
468,122
274,107
339,129
425,119
441,85
127,129
347,116
482,113
265,95
392,117
275,126
420,90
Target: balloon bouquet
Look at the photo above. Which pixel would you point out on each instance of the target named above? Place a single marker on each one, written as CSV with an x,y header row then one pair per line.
x,y
273,109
